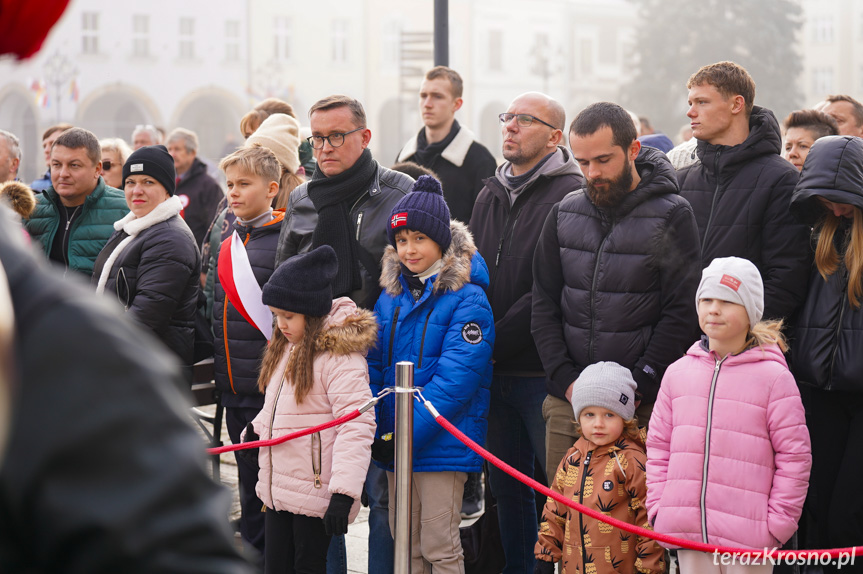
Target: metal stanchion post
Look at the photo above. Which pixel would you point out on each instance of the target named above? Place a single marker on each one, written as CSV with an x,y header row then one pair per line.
x,y
404,465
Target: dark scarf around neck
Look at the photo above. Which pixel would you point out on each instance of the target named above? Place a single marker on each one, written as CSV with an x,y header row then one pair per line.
x,y
333,198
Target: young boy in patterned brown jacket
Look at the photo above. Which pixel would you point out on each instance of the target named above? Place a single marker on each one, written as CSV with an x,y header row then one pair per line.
x,y
605,470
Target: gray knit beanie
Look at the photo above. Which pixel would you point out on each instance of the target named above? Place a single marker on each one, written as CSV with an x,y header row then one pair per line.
x,y
607,385
736,280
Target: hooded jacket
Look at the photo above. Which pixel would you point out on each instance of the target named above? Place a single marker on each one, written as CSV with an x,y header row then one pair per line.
x,y
461,166
301,475
448,334
506,234
369,215
611,480
238,345
740,196
617,285
728,453
152,266
89,232
829,335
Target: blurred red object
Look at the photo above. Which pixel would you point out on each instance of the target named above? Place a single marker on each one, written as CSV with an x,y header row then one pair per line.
x,y
24,24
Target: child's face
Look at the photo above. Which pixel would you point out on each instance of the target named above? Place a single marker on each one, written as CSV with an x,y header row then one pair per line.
x,y
292,325
600,426
249,195
416,250
725,322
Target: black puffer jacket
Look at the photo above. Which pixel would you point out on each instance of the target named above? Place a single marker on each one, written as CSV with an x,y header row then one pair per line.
x,y
740,197
506,236
235,338
155,276
370,216
617,287
828,345
102,472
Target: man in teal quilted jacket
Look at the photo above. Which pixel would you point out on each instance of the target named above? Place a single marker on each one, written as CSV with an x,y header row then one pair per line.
x,y
75,217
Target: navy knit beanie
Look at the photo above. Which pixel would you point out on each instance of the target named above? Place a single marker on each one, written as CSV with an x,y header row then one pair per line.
x,y
155,161
425,210
303,283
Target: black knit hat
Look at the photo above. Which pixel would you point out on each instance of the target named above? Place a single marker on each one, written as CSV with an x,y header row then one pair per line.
x,y
425,210
303,283
155,161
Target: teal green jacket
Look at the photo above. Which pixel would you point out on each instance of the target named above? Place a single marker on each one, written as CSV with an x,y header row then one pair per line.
x,y
89,232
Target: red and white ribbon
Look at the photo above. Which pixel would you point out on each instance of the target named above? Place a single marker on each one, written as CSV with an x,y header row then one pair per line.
x,y
241,287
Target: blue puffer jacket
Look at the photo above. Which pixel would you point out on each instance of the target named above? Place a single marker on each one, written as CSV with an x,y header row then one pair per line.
x,y
449,335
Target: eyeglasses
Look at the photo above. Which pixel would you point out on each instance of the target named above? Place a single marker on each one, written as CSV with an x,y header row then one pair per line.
x,y
106,165
336,140
524,120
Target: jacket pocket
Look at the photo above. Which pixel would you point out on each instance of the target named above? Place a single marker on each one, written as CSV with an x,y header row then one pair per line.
x,y
122,287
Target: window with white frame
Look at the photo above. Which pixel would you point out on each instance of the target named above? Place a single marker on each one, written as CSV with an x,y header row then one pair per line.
x,y
140,35
232,41
187,38
495,50
282,38
822,29
340,42
90,32
586,53
391,45
822,80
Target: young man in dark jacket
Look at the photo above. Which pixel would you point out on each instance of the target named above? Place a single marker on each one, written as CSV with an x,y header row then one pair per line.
x,y
741,189
447,148
615,270
506,223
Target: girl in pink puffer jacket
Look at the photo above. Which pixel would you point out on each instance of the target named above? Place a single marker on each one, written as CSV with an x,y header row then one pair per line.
x,y
728,454
313,372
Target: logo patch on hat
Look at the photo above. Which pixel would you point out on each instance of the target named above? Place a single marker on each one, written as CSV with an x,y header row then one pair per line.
x,y
607,485
399,219
136,167
472,333
623,399
730,282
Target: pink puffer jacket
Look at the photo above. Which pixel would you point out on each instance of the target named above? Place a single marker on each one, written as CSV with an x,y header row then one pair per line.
x,y
728,454
300,475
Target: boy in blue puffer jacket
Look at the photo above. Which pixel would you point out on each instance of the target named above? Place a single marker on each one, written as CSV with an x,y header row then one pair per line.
x,y
433,311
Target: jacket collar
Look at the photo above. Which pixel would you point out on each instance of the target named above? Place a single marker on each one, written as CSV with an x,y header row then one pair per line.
x,y
764,138
456,269
455,152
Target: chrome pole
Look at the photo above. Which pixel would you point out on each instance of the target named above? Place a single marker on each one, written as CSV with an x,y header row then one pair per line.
x,y
404,465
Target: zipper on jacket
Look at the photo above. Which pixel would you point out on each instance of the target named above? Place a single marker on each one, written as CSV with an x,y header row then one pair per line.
x,y
712,203
393,335
423,340
359,224
316,458
64,245
702,501
225,329
512,230
842,302
273,421
591,341
580,515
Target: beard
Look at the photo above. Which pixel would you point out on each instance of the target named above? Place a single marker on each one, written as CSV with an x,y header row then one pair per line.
x,y
615,191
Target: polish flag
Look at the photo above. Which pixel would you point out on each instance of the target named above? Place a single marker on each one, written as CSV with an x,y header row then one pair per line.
x,y
241,287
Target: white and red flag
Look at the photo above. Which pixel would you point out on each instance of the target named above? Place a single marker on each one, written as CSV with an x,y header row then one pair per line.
x,y
241,287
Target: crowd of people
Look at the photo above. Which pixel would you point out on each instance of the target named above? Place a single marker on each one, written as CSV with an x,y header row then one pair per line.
x,y
666,334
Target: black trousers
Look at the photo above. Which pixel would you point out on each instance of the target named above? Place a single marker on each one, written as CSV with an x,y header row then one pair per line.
x,y
251,515
295,544
835,421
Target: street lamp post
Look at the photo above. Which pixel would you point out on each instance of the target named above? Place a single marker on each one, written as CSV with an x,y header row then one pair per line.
x,y
58,71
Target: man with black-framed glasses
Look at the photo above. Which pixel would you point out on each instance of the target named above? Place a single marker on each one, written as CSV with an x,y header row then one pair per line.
x,y
346,205
506,223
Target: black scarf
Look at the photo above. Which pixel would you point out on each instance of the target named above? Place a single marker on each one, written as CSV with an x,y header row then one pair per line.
x,y
333,198
427,153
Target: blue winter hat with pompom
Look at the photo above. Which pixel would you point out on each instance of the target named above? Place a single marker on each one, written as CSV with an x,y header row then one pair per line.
x,y
425,210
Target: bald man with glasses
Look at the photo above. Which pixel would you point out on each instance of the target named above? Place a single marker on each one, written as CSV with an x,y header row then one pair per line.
x,y
506,222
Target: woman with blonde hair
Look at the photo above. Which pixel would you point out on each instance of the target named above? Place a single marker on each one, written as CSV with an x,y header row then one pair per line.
x,y
827,359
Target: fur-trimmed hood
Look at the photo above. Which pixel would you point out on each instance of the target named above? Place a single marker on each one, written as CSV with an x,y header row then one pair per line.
x,y
460,267
348,329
